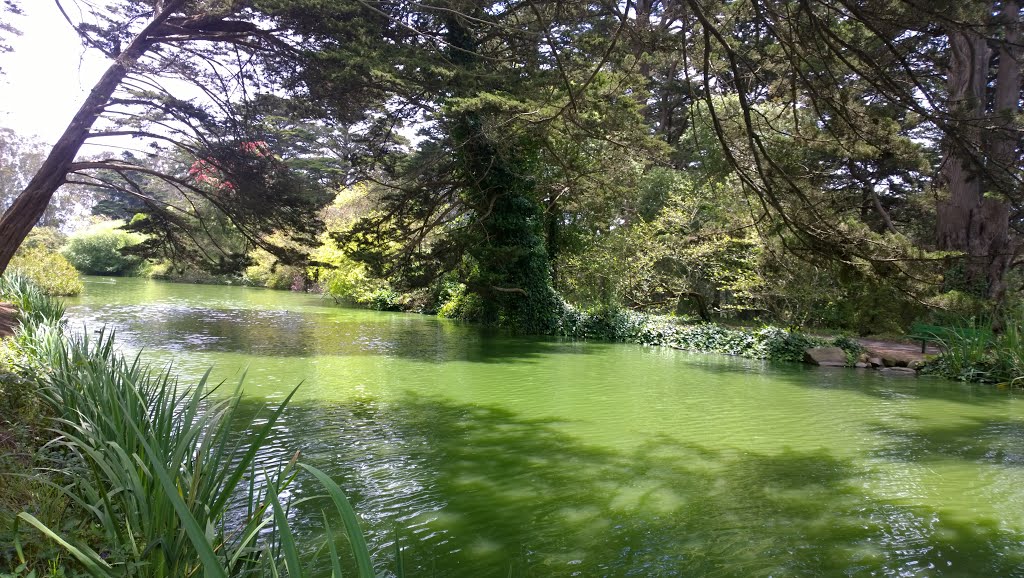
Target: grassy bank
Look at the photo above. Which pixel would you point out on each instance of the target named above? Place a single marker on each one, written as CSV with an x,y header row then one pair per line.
x,y
978,355
120,470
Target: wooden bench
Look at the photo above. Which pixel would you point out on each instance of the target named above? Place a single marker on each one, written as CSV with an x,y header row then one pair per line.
x,y
937,333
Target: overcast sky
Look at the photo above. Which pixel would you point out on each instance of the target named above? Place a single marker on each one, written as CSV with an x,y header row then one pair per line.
x,y
48,75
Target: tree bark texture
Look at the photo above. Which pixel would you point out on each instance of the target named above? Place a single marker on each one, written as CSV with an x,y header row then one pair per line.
x,y
979,158
30,205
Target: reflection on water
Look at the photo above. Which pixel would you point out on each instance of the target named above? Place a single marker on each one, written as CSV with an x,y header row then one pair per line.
x,y
489,455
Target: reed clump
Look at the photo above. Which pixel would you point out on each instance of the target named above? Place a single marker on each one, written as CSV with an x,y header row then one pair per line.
x,y
160,473
979,355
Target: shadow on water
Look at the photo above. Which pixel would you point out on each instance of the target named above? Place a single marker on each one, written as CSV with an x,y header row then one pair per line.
x,y
280,333
472,490
993,441
867,382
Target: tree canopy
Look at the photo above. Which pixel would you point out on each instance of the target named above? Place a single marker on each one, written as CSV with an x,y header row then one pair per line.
x,y
504,145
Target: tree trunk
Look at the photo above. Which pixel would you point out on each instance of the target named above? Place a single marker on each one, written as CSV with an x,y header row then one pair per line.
x,y
969,221
30,205
1003,156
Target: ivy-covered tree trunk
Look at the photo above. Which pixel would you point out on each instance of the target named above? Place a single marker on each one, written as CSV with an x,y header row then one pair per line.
x,y
511,272
979,161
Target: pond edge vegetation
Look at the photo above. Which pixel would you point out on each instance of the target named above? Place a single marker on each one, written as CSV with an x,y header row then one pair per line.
x,y
136,475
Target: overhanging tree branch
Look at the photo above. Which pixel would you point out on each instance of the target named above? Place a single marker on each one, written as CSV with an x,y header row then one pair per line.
x,y
30,205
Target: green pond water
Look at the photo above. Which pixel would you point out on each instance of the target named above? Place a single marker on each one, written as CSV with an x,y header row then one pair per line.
x,y
490,455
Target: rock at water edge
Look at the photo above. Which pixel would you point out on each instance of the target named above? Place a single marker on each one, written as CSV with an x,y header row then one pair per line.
x,y
825,356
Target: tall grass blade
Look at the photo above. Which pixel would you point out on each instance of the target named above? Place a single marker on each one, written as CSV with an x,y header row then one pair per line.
x,y
92,561
335,559
255,443
211,564
348,515
399,559
163,465
291,553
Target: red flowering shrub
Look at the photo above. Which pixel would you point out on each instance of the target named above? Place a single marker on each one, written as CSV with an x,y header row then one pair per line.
x,y
205,172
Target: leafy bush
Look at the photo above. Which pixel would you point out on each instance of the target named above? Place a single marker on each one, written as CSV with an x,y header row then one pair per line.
x,y
17,392
49,270
348,281
955,308
24,427
457,303
966,358
772,343
782,345
34,305
868,305
48,237
99,250
267,272
681,253
385,299
846,296
613,325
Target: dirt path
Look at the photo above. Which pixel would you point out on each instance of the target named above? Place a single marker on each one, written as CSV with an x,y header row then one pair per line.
x,y
8,320
898,351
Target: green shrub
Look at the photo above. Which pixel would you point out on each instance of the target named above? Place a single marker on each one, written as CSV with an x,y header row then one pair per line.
x,y
1008,353
955,308
772,343
348,282
99,250
850,346
49,270
267,271
779,344
34,305
24,427
866,305
613,325
17,392
272,277
385,300
48,237
965,358
457,303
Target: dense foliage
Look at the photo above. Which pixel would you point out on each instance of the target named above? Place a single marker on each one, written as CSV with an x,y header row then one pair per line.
x,y
100,250
971,352
772,343
40,260
830,164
